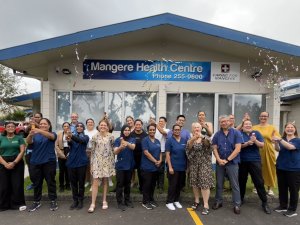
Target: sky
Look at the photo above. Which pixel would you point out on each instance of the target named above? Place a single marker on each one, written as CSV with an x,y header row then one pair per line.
x,y
27,21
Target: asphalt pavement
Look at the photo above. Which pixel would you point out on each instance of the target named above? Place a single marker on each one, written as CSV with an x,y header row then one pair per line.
x,y
251,214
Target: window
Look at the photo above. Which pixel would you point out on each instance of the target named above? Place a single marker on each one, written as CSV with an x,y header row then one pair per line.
x,y
193,103
253,104
115,109
173,108
88,105
140,105
62,108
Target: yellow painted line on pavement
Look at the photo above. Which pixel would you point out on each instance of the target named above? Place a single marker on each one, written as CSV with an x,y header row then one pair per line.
x,y
194,216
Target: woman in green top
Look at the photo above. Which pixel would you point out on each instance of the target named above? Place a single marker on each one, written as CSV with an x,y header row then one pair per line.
x,y
12,149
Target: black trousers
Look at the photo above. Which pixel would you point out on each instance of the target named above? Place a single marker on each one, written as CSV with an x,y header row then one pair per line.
x,y
176,182
254,169
161,172
12,187
149,182
288,181
77,179
63,174
123,185
40,172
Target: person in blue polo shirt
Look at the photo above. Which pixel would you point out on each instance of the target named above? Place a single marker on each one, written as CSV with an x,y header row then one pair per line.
x,y
251,163
123,148
43,163
77,162
176,162
184,133
288,169
226,147
150,163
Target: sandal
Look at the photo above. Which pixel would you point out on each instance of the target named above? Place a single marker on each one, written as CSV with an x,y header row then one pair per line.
x,y
195,205
92,208
104,206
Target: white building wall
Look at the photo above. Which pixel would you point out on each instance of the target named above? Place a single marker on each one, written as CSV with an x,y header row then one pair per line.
x,y
152,51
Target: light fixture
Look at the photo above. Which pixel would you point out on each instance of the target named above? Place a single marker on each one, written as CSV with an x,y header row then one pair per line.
x,y
66,71
257,73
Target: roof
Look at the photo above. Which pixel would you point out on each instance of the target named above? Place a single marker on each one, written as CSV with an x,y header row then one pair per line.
x,y
146,23
25,100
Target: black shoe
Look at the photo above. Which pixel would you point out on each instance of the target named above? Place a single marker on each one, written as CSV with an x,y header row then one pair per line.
x,y
53,205
129,204
217,205
195,205
74,205
34,206
236,210
154,204
121,207
80,205
147,206
280,209
266,208
205,211
290,213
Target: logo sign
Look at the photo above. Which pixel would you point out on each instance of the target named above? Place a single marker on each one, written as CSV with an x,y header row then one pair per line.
x,y
225,72
146,70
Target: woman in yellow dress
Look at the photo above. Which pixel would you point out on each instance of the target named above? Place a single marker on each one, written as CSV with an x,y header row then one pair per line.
x,y
267,153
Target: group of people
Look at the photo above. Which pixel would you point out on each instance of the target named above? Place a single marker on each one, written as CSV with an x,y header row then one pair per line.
x,y
89,154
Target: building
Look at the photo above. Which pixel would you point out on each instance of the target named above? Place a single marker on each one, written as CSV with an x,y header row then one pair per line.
x,y
162,65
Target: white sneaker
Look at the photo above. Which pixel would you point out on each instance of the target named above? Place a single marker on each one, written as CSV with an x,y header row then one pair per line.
x,y
170,206
178,205
254,191
86,184
270,193
110,183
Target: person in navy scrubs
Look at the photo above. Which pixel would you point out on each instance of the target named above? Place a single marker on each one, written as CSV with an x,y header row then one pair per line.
x,y
150,163
123,148
288,170
176,162
77,162
43,163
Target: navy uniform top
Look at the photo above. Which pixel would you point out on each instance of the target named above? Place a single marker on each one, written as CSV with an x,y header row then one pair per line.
x,y
154,149
177,153
78,157
43,149
125,159
251,152
289,160
226,143
184,133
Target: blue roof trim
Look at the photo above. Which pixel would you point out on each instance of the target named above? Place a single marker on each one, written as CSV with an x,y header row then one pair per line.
x,y
144,23
293,86
26,97
290,98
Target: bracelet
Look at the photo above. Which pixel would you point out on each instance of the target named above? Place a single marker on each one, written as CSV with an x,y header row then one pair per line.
x,y
14,162
228,159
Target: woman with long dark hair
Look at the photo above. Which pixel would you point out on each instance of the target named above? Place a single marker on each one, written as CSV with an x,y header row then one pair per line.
x,y
288,170
43,163
12,149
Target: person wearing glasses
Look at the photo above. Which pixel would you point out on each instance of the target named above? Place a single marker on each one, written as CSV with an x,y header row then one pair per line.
x,y
176,163
12,149
226,148
267,152
77,161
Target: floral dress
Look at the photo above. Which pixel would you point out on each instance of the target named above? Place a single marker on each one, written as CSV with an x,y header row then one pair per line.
x,y
102,156
200,165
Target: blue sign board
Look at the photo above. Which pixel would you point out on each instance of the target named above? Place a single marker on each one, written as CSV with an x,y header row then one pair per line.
x,y
146,70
